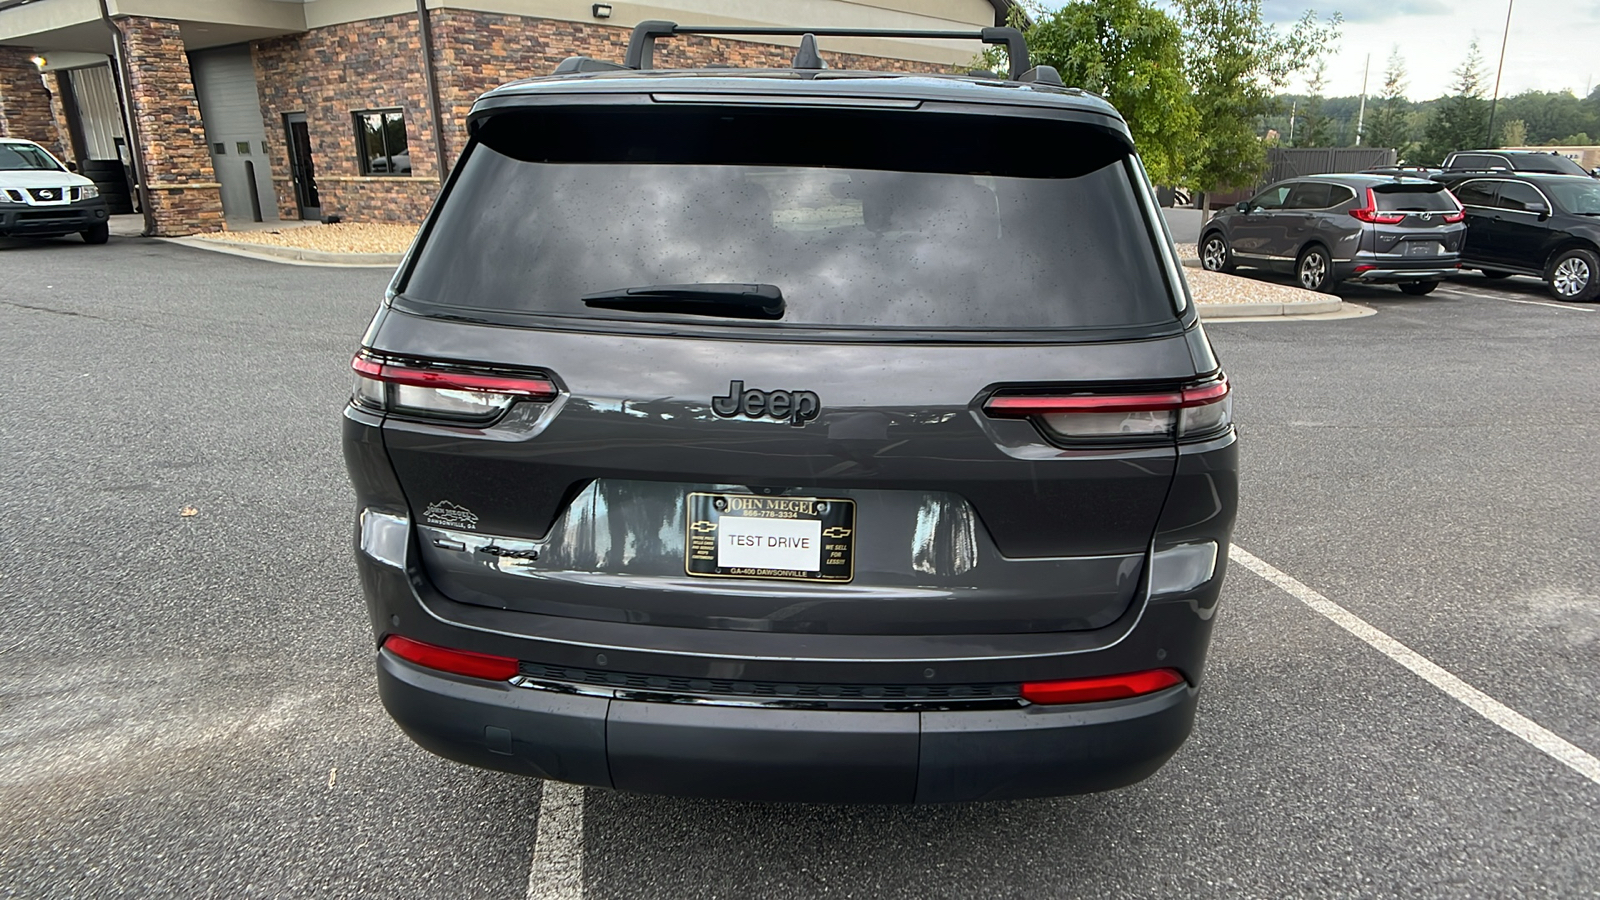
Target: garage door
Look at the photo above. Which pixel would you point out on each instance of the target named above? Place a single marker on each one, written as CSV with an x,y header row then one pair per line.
x,y
225,82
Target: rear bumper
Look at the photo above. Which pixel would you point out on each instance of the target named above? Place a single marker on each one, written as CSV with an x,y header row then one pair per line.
x,y
787,755
44,221
1375,271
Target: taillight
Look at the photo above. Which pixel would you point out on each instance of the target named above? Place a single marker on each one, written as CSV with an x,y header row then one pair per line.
x,y
1193,410
1459,215
443,390
1369,213
456,662
1094,690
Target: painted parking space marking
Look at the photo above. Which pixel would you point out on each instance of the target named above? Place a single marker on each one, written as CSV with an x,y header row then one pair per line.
x,y
556,872
1546,741
1480,295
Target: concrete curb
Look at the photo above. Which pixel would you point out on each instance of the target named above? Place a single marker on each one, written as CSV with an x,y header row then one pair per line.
x,y
1265,310
291,255
1241,310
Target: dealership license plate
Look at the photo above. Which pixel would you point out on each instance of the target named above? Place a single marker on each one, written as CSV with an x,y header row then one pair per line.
x,y
1423,248
752,536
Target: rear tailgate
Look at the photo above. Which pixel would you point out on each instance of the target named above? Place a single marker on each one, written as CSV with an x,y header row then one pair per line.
x,y
963,523
902,291
1429,225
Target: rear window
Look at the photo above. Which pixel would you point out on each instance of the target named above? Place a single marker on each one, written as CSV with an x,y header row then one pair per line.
x,y
986,233
1422,198
1548,162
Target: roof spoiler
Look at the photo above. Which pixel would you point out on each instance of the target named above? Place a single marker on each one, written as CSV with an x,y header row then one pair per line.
x,y
642,44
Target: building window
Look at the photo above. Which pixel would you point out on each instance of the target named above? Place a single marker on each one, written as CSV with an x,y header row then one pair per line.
x,y
381,143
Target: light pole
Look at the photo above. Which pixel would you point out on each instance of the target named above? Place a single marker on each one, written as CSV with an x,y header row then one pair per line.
x,y
1361,117
1488,140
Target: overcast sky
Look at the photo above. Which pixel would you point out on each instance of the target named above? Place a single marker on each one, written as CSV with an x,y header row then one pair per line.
x,y
1554,44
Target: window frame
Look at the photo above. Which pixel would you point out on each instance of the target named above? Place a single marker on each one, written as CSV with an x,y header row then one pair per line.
x,y
1494,192
1303,186
1499,193
363,156
1286,186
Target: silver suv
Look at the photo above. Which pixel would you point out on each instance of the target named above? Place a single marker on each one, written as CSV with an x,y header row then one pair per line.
x,y
1324,229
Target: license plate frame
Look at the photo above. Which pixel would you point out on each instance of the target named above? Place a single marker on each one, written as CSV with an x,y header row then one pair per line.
x,y
1423,248
705,532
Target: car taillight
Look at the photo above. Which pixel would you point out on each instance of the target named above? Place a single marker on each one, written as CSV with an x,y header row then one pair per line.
x,y
1459,215
1190,411
456,662
442,390
1369,213
1094,690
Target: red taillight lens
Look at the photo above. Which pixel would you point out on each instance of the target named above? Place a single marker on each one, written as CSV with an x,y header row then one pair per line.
x,y
1188,411
1369,213
456,662
1094,690
439,390
1460,214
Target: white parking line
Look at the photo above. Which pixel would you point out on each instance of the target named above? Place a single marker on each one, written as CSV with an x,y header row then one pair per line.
x,y
1546,741
1462,292
557,869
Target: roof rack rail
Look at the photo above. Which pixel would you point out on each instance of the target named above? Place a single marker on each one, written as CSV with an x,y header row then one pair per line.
x,y
575,64
641,45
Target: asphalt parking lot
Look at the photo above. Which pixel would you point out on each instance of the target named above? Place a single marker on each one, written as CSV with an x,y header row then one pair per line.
x,y
187,705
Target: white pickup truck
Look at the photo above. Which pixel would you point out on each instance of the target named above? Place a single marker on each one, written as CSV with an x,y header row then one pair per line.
x,y
39,197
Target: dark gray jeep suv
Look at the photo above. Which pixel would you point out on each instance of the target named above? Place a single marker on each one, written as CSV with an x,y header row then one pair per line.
x,y
1375,229
793,435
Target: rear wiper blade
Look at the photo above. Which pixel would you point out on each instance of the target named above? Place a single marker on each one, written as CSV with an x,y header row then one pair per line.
x,y
728,301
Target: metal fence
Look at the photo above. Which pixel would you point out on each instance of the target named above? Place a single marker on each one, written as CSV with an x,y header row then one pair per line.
x,y
1294,162
1297,162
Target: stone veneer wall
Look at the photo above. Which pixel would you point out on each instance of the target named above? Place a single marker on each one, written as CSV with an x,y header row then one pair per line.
x,y
24,100
330,73
185,196
476,51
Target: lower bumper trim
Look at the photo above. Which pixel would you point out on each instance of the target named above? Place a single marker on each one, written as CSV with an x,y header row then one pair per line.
x,y
787,755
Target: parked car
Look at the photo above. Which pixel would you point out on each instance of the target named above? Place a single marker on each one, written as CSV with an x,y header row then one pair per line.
x,y
1413,171
1526,223
1513,160
698,451
1325,229
39,197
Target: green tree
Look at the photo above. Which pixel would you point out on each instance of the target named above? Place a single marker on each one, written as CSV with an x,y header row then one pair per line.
x,y
1389,125
1315,126
1130,53
1236,63
1548,114
1460,119
1513,133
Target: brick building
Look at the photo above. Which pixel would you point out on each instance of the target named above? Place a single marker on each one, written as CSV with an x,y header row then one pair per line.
x,y
255,110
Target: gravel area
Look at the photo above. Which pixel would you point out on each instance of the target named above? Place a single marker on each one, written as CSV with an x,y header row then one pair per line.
x,y
1216,288
343,238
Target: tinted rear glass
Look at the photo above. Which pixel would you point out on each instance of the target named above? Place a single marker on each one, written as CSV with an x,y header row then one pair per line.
x,y
1548,162
850,246
1433,199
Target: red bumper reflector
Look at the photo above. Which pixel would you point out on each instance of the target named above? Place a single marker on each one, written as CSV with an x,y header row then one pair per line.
x,y
456,662
1093,690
